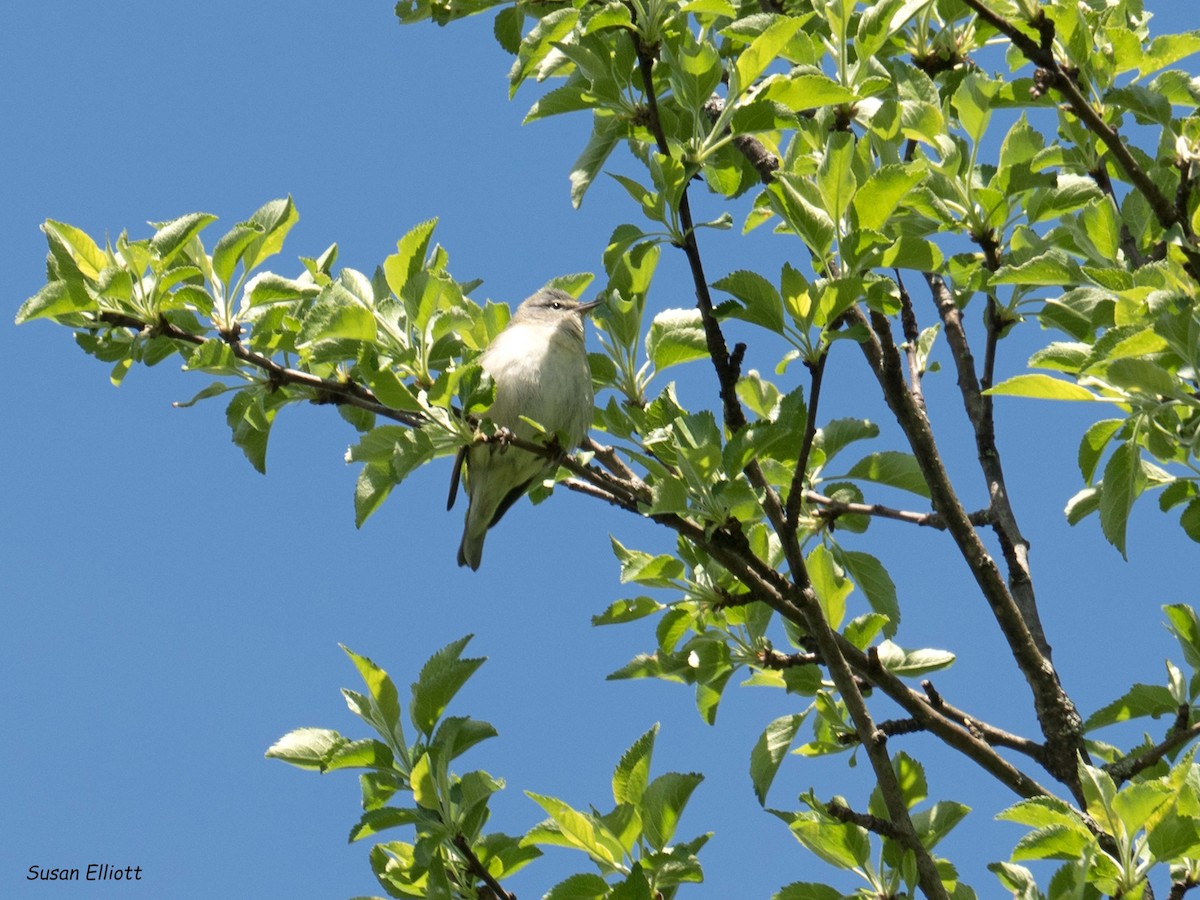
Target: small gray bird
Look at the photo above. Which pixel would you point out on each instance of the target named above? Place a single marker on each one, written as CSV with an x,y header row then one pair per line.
x,y
540,369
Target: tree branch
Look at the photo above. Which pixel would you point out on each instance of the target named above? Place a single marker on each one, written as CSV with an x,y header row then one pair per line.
x,y
873,824
796,491
1041,54
980,413
1060,721
834,508
325,389
1124,769
479,870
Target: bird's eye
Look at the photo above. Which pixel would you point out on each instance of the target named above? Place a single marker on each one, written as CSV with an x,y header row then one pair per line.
x,y
556,305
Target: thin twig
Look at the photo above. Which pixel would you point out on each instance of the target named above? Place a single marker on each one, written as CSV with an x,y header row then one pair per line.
x,y
479,870
1124,769
873,824
834,508
796,491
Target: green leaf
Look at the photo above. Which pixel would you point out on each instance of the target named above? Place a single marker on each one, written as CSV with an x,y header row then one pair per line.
x,y
440,679
306,748
1039,812
89,259
830,584
662,804
893,468
652,571
809,90
1140,700
374,483
458,734
807,890
250,415
375,821
972,102
763,50
575,829
839,844
870,575
1052,269
1042,387
882,192
409,258
276,219
835,175
384,710
1184,624
937,821
761,302
629,610
1053,842
676,336
583,886
633,770
171,237
607,132
1124,480
230,247
336,315
911,663
1167,49
53,300
769,750
1189,519
910,776
1093,443
539,43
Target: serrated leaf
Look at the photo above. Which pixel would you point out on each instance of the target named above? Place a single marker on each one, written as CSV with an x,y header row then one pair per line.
x,y
763,50
1124,480
171,237
830,584
893,468
870,575
1041,387
582,886
633,770
881,193
276,219
1140,700
578,829
676,336
761,301
607,132
769,750
662,804
306,748
440,679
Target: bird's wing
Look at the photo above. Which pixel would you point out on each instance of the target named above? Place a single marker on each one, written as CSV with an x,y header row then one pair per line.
x,y
455,476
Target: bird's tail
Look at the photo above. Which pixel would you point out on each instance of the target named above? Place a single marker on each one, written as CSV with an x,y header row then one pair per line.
x,y
470,549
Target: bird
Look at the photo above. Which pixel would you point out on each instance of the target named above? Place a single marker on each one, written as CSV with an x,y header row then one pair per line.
x,y
539,366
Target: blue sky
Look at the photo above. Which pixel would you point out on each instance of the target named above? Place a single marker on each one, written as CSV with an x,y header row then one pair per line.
x,y
168,613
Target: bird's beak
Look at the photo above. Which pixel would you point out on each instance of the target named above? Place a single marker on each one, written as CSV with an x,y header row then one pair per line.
x,y
585,308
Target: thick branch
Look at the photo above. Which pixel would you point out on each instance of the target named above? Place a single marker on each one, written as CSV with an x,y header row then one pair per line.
x,y
1060,721
979,412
